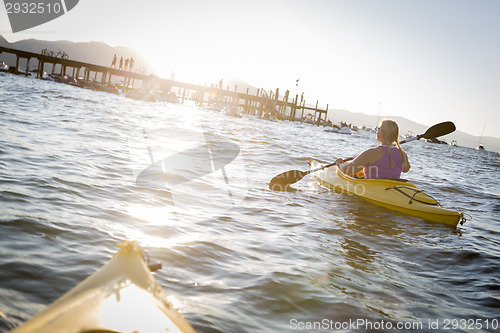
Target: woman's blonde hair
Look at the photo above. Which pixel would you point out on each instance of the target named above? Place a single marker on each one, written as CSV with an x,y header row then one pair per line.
x,y
391,132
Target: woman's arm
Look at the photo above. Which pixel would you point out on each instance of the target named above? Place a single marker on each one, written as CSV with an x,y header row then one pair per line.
x,y
365,158
404,159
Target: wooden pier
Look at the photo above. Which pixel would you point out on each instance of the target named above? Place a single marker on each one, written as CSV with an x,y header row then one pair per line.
x,y
261,103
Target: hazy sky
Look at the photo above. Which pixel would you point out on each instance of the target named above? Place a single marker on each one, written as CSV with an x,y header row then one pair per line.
x,y
426,60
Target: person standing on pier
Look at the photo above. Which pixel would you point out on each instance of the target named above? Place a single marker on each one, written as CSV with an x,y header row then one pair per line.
x,y
126,64
113,64
121,63
131,63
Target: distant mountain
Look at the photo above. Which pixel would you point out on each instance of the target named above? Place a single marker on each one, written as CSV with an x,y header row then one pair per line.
x,y
405,125
92,52
102,54
240,85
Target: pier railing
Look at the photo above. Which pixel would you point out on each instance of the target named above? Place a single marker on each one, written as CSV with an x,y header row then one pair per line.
x,y
262,103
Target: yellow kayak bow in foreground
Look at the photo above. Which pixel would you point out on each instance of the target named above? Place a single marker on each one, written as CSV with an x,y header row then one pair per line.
x,y
123,296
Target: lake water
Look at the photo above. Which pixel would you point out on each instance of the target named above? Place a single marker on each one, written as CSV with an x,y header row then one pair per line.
x,y
237,256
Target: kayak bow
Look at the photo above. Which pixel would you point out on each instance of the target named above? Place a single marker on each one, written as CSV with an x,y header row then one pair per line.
x,y
123,296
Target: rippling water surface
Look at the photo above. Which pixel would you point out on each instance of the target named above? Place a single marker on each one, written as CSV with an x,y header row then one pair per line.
x,y
237,257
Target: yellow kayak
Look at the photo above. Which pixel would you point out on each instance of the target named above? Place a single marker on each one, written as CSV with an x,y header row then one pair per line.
x,y
397,195
123,296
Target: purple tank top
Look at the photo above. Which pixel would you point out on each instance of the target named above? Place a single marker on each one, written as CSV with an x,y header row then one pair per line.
x,y
382,168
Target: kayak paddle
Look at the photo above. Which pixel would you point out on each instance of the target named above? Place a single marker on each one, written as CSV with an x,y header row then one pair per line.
x,y
290,177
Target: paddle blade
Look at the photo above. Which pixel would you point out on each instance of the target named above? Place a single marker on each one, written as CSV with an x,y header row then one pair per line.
x,y
439,130
281,181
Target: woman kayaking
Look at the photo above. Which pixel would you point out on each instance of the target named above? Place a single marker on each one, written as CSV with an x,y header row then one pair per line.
x,y
385,161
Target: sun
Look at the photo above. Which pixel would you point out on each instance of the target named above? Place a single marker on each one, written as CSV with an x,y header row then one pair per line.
x,y
189,63
206,62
